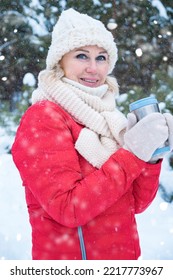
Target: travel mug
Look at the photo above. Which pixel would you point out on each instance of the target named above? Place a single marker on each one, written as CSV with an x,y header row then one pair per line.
x,y
143,107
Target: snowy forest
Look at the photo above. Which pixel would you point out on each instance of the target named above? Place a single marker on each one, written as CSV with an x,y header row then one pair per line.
x,y
143,32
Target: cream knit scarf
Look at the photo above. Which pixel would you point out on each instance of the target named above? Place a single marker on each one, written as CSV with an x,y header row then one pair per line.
x,y
92,107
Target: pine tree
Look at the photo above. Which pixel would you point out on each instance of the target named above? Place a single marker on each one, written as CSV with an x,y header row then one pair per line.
x,y
143,37
21,49
141,42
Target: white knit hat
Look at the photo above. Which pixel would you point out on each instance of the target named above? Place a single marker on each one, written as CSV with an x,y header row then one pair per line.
x,y
74,30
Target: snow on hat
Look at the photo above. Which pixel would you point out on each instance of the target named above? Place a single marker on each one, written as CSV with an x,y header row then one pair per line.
x,y
74,30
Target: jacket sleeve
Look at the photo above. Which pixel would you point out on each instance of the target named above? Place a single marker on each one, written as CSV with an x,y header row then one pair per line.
x,y
145,187
48,163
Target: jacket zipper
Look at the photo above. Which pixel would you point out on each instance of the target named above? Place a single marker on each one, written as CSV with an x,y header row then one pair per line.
x,y
82,244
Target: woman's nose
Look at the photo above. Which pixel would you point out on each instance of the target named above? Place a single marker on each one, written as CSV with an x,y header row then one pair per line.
x,y
92,66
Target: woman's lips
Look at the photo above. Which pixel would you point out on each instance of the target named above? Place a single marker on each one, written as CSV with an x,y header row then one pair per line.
x,y
89,82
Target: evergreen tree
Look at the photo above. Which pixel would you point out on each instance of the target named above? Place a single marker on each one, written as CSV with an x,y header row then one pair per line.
x,y
142,43
20,47
143,37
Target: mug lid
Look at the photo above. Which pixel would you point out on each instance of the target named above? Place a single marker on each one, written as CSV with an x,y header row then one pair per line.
x,y
142,102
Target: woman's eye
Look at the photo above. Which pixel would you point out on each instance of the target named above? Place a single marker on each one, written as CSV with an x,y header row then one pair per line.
x,y
81,56
101,58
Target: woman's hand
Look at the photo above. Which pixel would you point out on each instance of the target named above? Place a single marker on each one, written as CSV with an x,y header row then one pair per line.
x,y
144,137
169,121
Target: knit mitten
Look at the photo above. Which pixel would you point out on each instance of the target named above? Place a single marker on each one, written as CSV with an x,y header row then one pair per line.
x,y
144,137
169,120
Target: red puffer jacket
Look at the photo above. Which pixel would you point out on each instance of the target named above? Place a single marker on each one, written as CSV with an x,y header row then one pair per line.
x,y
76,210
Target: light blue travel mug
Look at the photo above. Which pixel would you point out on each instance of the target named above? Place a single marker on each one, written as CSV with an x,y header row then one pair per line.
x,y
143,107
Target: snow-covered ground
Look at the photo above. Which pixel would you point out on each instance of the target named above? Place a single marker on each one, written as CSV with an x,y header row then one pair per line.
x,y
155,224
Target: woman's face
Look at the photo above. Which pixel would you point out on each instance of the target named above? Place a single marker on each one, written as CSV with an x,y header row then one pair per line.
x,y
86,65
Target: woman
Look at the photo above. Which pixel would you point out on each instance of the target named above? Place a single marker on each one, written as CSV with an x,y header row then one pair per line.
x,y
84,176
